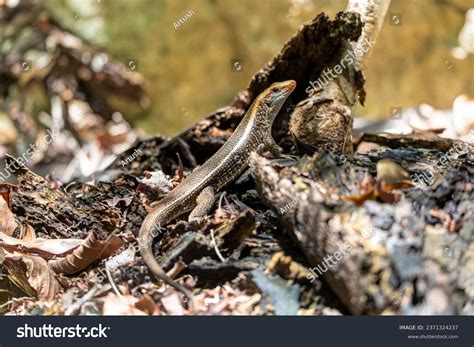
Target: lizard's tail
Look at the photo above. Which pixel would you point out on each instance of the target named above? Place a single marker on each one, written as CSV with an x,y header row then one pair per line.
x,y
145,242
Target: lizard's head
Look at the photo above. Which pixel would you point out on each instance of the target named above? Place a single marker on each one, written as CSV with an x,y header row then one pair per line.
x,y
275,96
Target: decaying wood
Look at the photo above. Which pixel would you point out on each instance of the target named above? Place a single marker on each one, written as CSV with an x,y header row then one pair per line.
x,y
197,242
55,213
380,258
324,119
417,140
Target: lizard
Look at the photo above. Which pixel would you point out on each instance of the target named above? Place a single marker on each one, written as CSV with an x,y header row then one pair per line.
x,y
196,193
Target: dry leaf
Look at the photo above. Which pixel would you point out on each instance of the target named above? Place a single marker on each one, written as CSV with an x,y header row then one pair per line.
x,y
47,248
91,250
173,305
146,304
448,222
392,173
378,191
33,275
116,200
154,185
28,233
5,190
8,223
365,195
121,306
390,176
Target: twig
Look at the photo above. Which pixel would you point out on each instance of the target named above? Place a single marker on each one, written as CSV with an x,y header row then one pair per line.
x,y
75,307
187,152
180,170
176,269
214,243
112,283
9,302
230,209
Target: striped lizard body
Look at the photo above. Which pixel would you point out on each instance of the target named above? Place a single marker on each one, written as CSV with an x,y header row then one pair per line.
x,y
196,192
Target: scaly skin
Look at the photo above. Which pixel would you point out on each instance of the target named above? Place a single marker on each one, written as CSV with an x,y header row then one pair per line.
x,y
197,191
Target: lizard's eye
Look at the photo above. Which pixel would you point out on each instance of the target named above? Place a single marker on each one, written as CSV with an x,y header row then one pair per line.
x,y
274,90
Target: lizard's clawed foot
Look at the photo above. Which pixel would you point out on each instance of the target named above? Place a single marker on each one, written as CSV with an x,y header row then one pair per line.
x,y
288,157
282,157
285,157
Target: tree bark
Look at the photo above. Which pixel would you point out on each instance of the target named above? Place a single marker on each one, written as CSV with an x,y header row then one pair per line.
x,y
412,257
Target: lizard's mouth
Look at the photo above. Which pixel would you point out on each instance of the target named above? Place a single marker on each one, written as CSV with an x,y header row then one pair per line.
x,y
290,86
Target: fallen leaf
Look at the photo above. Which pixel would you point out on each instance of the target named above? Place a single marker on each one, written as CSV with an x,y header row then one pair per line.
x,y
5,190
448,222
146,304
173,305
387,195
392,173
8,223
47,248
32,275
359,200
121,306
28,233
116,200
390,176
91,250
154,185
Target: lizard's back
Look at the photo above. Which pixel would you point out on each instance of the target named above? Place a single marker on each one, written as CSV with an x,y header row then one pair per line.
x,y
222,168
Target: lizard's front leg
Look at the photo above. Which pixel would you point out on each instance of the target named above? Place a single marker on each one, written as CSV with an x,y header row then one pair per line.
x,y
271,145
204,201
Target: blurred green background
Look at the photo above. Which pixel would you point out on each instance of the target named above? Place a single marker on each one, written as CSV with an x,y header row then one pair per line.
x,y
190,69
